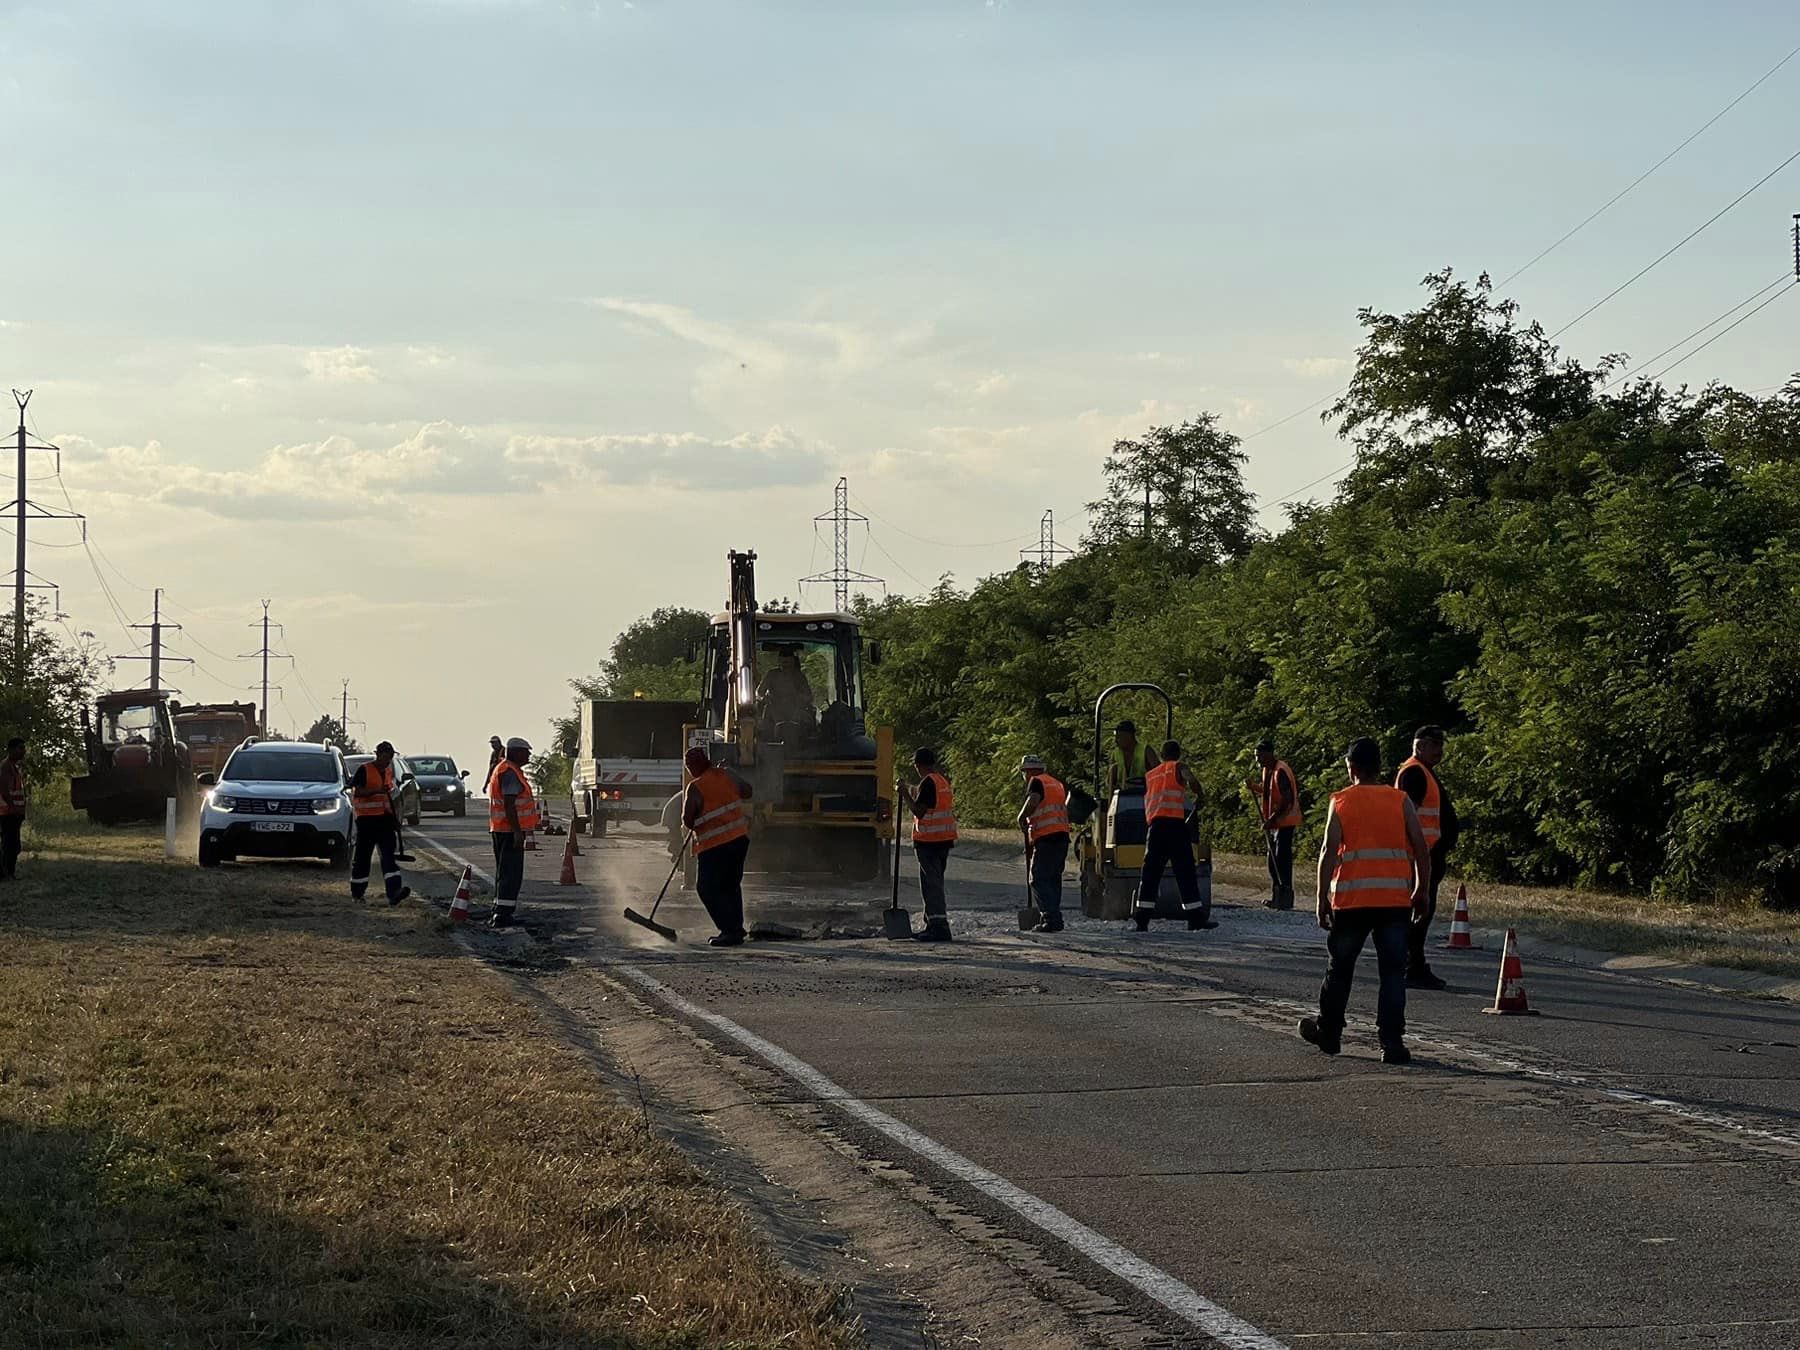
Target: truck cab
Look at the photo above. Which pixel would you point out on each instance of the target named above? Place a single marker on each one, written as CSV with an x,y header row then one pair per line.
x,y
135,762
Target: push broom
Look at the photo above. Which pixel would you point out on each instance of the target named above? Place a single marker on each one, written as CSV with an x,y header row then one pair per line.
x,y
649,921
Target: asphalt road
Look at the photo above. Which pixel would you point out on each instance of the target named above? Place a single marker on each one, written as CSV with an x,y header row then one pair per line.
x,y
1620,1171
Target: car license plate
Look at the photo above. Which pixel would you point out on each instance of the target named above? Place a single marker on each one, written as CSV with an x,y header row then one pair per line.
x,y
273,827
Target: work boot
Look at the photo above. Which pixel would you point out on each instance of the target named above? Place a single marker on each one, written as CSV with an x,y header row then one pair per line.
x,y
502,917
1050,923
936,929
400,895
1284,898
1395,1052
1314,1034
1425,978
1196,922
735,938
1142,920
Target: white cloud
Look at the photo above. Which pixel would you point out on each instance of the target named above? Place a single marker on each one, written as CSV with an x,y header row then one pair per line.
x,y
991,384
341,365
1316,365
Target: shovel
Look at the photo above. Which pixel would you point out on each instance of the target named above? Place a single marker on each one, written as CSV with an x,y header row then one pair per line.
x,y
662,930
1028,912
896,923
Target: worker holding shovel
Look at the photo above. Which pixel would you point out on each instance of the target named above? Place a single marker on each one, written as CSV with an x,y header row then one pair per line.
x,y
933,806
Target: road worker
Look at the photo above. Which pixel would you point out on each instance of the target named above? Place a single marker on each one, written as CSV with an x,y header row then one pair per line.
x,y
1437,817
1374,870
1277,794
513,810
1130,761
372,798
933,807
1044,821
716,812
1168,842
14,792
496,752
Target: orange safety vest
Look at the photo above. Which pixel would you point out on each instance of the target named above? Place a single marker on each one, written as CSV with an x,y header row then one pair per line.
x,y
938,824
1052,815
373,798
1289,817
529,816
1374,865
723,815
1431,809
13,792
1164,797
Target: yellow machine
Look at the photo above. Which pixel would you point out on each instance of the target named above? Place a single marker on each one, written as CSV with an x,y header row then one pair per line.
x,y
782,703
1109,848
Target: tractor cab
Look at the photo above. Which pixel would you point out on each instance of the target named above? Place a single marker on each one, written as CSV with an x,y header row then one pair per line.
x,y
804,682
135,762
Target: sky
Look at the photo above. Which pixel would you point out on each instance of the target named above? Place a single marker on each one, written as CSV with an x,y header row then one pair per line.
x,y
467,331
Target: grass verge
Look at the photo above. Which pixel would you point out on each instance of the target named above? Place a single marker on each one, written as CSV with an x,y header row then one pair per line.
x,y
235,1108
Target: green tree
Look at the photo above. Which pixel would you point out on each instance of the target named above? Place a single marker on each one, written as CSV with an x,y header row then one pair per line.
x,y
46,708
326,728
1181,490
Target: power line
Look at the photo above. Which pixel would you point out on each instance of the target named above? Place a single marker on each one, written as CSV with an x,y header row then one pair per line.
x,y
1722,332
1619,196
1782,280
1673,249
936,543
842,576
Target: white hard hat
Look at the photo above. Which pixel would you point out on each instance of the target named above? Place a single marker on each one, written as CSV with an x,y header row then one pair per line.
x,y
517,743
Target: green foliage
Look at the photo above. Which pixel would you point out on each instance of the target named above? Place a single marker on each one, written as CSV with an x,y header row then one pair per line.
x,y
46,707
325,728
650,660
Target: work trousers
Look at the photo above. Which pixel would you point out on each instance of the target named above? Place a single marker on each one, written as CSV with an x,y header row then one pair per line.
x,y
1166,844
509,869
374,833
1048,857
1418,928
1281,860
719,878
10,847
933,859
1350,928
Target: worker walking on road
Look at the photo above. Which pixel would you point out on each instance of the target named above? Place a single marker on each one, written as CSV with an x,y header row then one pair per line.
x,y
1374,870
372,798
1167,843
1278,802
14,793
512,811
716,811
1044,821
496,753
1437,817
933,806
1130,761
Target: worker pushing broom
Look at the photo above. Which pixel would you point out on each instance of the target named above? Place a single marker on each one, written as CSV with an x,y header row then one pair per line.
x,y
716,815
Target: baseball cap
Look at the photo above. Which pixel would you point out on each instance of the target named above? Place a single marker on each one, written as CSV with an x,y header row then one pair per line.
x,y
517,743
1031,764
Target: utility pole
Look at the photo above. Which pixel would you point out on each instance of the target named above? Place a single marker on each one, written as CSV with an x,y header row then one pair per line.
x,y
24,509
1047,550
1797,246
156,657
344,716
265,652
841,576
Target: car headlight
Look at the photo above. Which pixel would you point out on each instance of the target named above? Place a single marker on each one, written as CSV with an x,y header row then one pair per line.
x,y
226,804
325,806
453,787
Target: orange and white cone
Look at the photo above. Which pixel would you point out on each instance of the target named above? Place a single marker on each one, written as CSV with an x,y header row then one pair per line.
x,y
574,844
568,868
1509,996
459,907
1461,937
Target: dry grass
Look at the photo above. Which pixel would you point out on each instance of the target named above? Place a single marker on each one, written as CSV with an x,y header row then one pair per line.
x,y
1740,935
236,1109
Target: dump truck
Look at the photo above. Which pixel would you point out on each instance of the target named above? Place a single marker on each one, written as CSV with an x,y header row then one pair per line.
x,y
211,731
782,703
629,759
135,762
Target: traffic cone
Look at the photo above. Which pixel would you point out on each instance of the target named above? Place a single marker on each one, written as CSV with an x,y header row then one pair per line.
x,y
1509,996
574,845
459,907
568,869
1461,937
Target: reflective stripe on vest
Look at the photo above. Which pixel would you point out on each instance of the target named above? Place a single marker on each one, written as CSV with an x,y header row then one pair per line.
x,y
1291,815
1164,798
1431,809
723,814
1374,867
527,807
373,797
937,825
1052,814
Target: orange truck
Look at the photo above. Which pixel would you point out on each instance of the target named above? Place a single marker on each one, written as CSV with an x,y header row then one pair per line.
x,y
212,731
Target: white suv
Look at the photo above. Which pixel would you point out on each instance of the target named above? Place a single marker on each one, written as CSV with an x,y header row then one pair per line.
x,y
277,799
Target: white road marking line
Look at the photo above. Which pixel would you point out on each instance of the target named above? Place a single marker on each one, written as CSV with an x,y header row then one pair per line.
x,y
1185,1302
433,844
